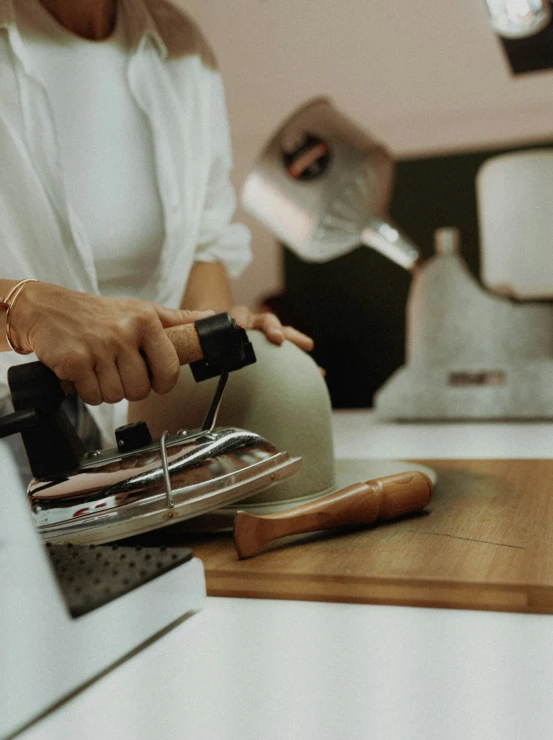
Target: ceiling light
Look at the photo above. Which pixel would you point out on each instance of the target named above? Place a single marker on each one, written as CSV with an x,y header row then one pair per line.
x,y
519,18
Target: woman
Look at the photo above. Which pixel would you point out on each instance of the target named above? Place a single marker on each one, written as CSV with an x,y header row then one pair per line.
x,y
114,195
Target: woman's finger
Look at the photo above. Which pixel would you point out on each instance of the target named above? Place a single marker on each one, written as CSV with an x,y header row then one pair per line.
x,y
162,359
109,381
299,338
88,388
134,375
270,325
277,333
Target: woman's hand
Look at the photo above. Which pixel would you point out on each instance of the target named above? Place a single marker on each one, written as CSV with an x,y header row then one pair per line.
x,y
208,287
271,326
110,348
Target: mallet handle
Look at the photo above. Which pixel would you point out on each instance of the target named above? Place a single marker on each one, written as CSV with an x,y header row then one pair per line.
x,y
358,505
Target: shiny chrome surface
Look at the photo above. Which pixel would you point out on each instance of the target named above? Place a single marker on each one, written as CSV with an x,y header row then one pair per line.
x,y
324,213
166,473
121,495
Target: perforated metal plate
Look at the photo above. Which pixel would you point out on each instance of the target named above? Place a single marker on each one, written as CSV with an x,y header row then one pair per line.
x,y
93,575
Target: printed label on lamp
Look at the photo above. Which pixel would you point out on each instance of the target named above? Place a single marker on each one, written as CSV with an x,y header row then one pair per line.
x,y
306,158
471,377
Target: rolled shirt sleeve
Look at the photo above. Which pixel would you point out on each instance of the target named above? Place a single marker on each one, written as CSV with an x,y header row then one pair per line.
x,y
219,239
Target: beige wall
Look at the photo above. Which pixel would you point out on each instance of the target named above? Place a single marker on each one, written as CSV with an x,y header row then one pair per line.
x,y
424,77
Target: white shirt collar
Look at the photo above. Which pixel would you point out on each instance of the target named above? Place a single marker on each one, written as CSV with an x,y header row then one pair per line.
x,y
140,24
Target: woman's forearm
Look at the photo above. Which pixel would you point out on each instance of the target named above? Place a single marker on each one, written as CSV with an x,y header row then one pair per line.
x,y
109,348
208,287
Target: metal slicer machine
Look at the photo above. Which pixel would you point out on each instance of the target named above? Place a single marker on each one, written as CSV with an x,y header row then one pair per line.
x,y
470,353
473,351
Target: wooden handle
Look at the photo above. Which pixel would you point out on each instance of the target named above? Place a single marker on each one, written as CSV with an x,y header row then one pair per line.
x,y
357,505
184,339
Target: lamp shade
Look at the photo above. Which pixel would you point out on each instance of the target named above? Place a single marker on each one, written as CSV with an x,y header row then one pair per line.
x,y
323,186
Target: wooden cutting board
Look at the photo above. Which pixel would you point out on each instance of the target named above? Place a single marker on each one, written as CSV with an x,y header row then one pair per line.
x,y
484,542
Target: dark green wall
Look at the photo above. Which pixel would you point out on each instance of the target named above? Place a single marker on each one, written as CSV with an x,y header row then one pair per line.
x,y
354,306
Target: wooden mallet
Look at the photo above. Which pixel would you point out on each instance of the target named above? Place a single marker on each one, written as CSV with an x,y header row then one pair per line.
x,y
355,506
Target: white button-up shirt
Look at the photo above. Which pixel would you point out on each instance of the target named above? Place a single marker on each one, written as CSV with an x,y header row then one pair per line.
x,y
174,80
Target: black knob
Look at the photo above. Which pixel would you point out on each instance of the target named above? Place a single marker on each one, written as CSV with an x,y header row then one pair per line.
x,y
133,436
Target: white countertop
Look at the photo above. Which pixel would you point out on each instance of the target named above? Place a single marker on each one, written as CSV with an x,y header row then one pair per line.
x,y
262,670
358,434
245,669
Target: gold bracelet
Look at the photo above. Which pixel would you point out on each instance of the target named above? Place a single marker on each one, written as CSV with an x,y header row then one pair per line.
x,y
9,302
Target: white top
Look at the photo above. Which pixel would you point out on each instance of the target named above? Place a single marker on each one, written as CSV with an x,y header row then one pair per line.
x,y
109,172
173,79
